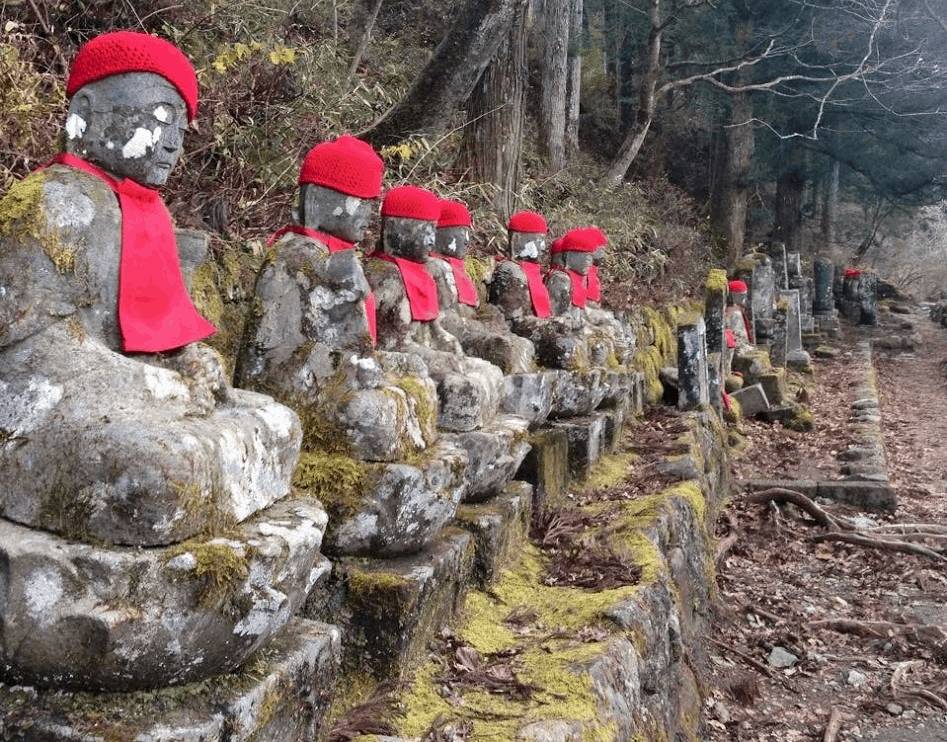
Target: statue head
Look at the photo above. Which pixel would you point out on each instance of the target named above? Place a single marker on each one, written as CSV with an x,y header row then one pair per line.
x,y
527,232
597,236
453,229
574,251
339,182
409,222
737,292
131,96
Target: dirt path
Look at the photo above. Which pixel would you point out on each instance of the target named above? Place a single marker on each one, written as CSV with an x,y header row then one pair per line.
x,y
860,628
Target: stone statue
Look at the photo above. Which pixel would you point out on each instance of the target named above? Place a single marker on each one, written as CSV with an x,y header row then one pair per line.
x,y
310,342
408,310
481,329
566,280
118,427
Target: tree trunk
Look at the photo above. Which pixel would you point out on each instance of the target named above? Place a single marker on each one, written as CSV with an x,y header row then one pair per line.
x,y
830,204
574,89
647,101
789,189
493,137
451,74
554,30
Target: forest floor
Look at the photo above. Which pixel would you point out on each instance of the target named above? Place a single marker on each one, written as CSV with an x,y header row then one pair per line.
x,y
865,627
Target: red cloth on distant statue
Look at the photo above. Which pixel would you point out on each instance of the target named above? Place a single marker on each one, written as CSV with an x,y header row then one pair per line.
x,y
538,294
418,285
593,286
335,244
155,312
466,291
578,286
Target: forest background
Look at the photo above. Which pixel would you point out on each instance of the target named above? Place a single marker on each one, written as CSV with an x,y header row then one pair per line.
x,y
688,130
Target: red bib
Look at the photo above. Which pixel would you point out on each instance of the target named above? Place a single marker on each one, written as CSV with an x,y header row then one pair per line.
x,y
593,287
466,291
418,285
335,244
578,286
155,312
538,293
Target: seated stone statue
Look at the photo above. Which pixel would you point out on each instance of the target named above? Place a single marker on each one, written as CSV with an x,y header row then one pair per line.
x,y
120,429
408,311
310,342
481,329
566,280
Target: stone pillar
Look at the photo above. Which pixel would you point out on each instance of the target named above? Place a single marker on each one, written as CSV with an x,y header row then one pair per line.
x,y
798,281
715,300
777,348
777,253
693,383
796,357
762,292
823,277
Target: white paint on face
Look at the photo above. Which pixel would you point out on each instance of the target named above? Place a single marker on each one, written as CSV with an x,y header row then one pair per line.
x,y
452,246
110,145
139,144
162,114
338,211
529,250
352,205
75,126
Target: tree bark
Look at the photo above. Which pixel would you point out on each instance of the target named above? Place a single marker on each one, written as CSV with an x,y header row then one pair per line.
x,y
554,31
451,74
493,137
830,203
789,188
647,102
574,88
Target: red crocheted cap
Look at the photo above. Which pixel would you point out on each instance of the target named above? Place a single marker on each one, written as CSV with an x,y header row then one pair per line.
x,y
736,286
129,51
527,221
411,202
852,272
596,235
347,165
573,241
453,214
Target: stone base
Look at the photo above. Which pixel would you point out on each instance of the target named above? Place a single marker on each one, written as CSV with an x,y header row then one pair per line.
x,y
494,454
585,436
752,399
546,467
282,693
873,496
500,527
389,609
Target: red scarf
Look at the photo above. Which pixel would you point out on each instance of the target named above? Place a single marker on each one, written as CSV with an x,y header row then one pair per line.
x,y
578,286
335,244
593,287
466,291
155,312
418,285
538,293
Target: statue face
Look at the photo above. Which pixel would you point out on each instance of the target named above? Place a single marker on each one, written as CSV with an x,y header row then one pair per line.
x,y
343,216
527,246
452,241
577,261
598,257
131,125
412,239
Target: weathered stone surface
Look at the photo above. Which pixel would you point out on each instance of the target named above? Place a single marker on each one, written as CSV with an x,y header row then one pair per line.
x,y
529,396
281,694
500,527
752,399
585,442
494,454
774,384
579,392
81,616
693,383
389,609
546,467
403,508
823,300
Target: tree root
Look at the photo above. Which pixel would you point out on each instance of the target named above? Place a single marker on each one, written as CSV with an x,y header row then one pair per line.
x,y
878,543
780,494
833,725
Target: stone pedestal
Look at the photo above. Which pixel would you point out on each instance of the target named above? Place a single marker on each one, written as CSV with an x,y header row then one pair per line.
x,y
693,382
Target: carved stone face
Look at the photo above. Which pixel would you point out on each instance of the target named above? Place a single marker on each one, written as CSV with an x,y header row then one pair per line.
x,y
598,257
576,260
738,298
527,246
343,216
452,241
412,239
131,125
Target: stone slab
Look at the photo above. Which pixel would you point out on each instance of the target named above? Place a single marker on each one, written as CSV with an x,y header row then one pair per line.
x,y
500,527
869,495
585,442
752,400
494,454
546,467
282,693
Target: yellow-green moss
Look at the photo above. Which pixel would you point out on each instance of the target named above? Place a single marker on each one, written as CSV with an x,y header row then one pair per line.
x,y
800,421
67,512
424,408
339,482
610,471
206,294
21,206
220,565
716,281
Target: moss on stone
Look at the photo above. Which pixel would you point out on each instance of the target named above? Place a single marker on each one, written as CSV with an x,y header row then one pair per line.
x,y
220,565
801,420
21,207
67,512
609,471
339,482
716,281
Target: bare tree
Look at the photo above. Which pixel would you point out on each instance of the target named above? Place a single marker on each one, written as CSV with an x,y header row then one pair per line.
x,y
574,71
553,30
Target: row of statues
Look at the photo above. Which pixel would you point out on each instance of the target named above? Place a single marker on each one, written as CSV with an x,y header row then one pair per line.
x,y
131,459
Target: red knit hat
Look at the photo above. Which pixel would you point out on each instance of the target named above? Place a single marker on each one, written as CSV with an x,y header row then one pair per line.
x,y
527,221
594,234
411,202
129,51
347,165
453,214
574,241
736,286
